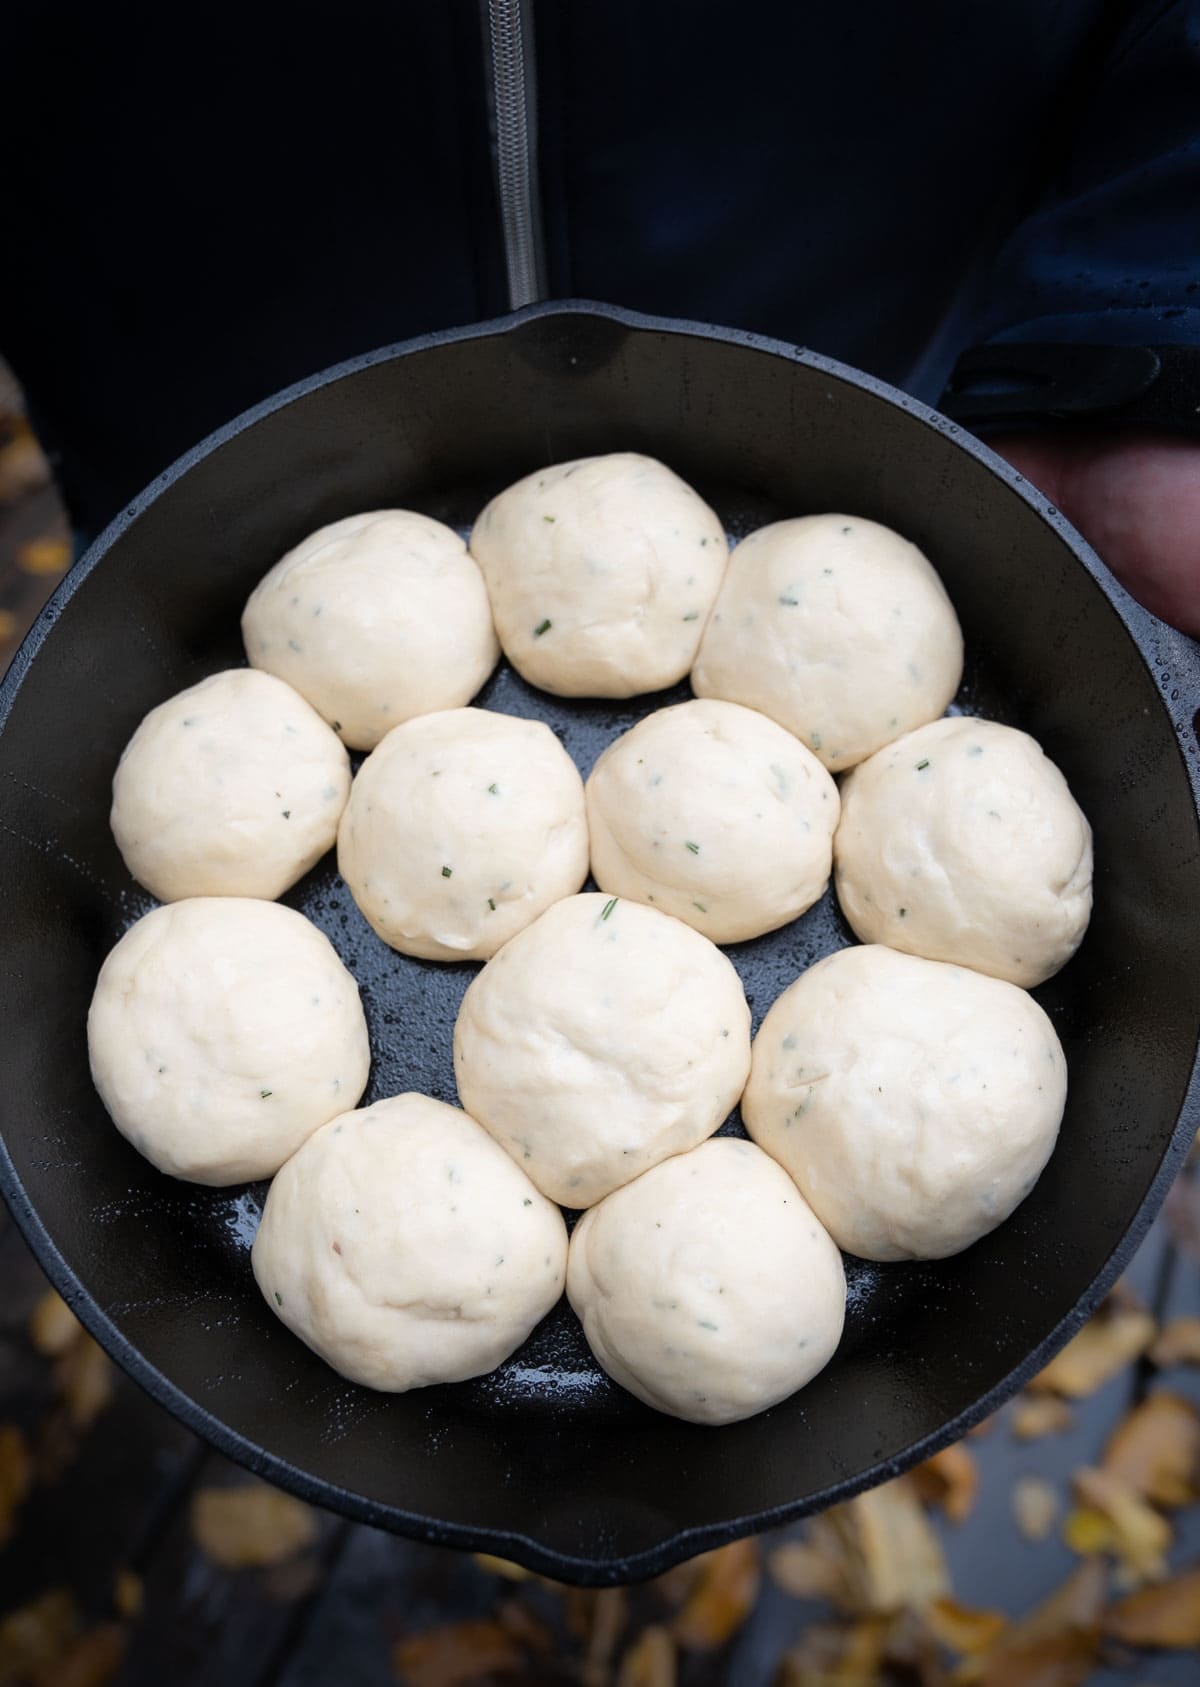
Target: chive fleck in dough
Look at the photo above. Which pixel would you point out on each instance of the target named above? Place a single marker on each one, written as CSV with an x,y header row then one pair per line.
x,y
601,1039
714,814
406,1249
601,574
708,1288
233,788
461,828
914,1103
222,1032
962,842
838,629
374,619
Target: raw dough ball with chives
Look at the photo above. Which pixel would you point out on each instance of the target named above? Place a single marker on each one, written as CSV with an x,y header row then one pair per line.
x,y
962,842
406,1249
232,788
461,828
708,1288
599,1041
715,814
838,629
914,1103
374,619
601,574
222,1032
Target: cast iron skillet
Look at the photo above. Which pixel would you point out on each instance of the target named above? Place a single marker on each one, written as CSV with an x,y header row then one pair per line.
x,y
545,1461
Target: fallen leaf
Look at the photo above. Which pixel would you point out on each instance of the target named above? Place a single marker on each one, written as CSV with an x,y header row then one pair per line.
x,y
1035,1506
891,1553
1063,1660
53,1327
456,1655
650,1661
8,624
128,1594
722,1598
804,1571
1114,1519
610,1612
23,465
962,1630
1165,1615
950,1480
251,1525
16,1476
35,1637
1178,1343
520,1624
1036,1415
84,1375
92,1661
1108,1342
1155,1451
837,1655
502,1567
48,555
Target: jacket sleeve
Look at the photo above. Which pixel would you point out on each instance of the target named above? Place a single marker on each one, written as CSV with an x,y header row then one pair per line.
x,y
1092,308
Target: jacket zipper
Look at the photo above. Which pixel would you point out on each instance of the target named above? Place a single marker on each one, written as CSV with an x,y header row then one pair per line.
x,y
514,119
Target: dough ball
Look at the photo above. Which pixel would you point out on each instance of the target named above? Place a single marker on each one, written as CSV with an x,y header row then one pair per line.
x,y
406,1249
914,1103
599,1041
601,574
222,1032
837,628
708,1288
374,619
962,842
461,828
232,788
714,814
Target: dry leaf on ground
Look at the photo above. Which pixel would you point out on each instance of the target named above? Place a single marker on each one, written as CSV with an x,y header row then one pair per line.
x,y
84,1375
950,1479
16,1476
37,1636
650,1661
891,1553
251,1525
721,1598
1165,1615
23,465
1156,1450
1109,1341
502,1567
48,555
610,1613
960,1629
1035,1415
1063,1660
53,1327
129,1595
1036,1506
1113,1518
92,1661
1178,1343
837,1655
1061,1634
804,1571
457,1654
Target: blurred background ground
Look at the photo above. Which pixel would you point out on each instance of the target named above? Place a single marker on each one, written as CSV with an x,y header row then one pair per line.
x,y
1057,1546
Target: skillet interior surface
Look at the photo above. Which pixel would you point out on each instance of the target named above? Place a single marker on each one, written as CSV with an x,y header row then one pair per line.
x,y
545,1460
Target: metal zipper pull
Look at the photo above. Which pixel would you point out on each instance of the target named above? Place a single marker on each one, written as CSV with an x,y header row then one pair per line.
x,y
514,123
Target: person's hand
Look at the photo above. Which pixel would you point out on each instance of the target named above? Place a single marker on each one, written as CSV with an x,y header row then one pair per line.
x,y
1135,497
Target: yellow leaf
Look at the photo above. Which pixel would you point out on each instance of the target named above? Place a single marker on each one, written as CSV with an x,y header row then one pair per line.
x,y
1059,1634
53,1327
722,1597
1064,1660
950,1480
962,1630
1035,1506
1140,1536
837,1655
1087,1532
456,1655
1105,1345
895,1557
502,1567
16,1476
84,1375
1036,1415
128,1594
44,556
34,1638
251,1525
1156,1450
650,1661
803,1570
1178,1343
1166,1615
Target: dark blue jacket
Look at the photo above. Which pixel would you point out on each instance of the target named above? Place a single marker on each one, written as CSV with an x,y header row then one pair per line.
x,y
212,203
